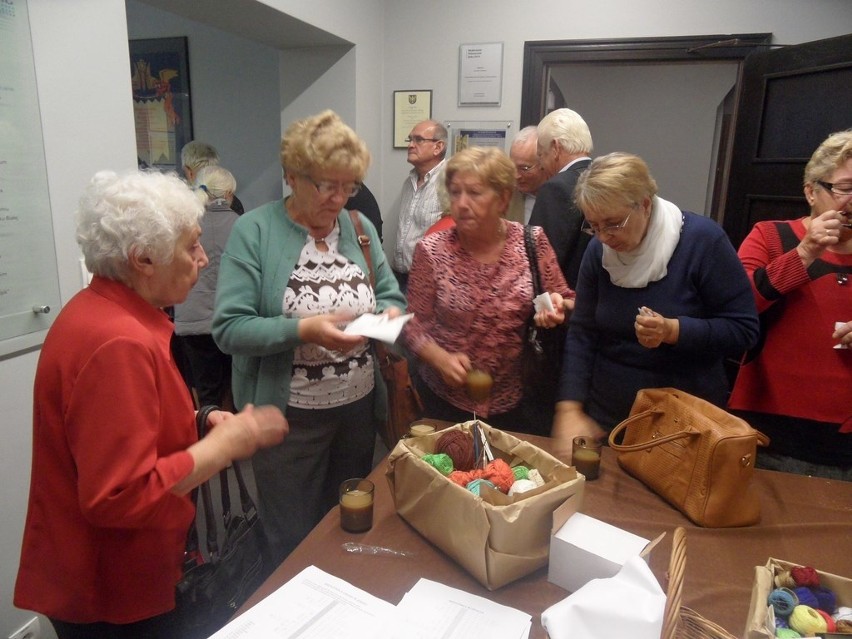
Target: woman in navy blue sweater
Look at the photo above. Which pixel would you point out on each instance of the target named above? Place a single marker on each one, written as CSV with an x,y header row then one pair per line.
x,y
662,300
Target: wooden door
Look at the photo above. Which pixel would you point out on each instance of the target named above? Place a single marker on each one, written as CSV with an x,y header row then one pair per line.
x,y
791,99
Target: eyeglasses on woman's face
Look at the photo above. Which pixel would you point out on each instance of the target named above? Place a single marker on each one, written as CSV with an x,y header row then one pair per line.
x,y
838,189
327,188
594,229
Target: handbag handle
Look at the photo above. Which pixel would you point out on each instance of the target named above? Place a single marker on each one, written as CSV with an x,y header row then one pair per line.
x,y
247,504
533,259
364,242
629,448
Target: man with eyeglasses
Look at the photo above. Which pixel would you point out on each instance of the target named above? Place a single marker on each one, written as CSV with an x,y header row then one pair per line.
x,y
564,148
420,206
529,175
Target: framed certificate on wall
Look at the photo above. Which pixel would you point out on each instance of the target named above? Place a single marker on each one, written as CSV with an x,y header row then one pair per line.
x,y
409,108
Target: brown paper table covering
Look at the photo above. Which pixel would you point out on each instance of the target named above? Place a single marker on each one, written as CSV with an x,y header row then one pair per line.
x,y
804,520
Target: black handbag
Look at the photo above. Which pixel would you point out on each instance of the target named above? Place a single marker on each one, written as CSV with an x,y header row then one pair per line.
x,y
216,583
542,354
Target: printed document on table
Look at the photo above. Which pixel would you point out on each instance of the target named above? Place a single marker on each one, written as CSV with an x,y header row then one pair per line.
x,y
431,609
312,605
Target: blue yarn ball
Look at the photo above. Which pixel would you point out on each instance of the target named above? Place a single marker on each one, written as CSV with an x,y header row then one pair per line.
x,y
806,597
475,486
782,600
827,600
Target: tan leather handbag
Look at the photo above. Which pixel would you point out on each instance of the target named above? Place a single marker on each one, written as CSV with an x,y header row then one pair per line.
x,y
695,455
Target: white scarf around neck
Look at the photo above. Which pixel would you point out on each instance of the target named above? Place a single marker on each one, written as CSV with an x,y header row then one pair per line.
x,y
648,262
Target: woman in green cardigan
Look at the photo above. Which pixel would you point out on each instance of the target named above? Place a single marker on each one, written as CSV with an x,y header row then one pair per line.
x,y
292,275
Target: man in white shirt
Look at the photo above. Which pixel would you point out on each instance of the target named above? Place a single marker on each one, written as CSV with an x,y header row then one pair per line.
x,y
529,175
420,207
564,146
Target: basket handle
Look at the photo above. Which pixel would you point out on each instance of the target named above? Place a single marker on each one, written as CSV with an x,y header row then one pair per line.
x,y
629,448
677,566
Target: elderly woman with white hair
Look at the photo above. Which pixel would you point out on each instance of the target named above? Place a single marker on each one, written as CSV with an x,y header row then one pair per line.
x,y
115,449
210,368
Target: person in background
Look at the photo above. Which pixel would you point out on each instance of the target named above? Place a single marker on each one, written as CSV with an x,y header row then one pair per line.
x,y
662,300
563,148
420,207
365,202
210,368
194,156
292,275
796,386
115,447
471,294
529,175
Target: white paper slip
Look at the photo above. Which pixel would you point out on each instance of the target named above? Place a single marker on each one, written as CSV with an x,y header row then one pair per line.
x,y
379,327
312,605
837,326
431,609
543,303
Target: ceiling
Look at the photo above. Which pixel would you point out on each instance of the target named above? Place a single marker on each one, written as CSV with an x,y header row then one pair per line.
x,y
253,20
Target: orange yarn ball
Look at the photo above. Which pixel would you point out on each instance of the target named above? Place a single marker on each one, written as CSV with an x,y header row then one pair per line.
x,y
497,472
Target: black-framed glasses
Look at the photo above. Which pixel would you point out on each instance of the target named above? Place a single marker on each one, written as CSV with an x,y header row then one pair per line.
x,y
327,188
419,139
842,189
594,229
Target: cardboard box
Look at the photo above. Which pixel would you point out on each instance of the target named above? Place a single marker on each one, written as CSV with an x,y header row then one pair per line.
x,y
583,548
759,623
496,538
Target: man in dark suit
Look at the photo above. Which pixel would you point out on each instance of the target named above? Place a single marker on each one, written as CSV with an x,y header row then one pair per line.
x,y
564,146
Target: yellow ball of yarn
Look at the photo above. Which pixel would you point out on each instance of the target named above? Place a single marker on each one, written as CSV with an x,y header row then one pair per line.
x,y
807,621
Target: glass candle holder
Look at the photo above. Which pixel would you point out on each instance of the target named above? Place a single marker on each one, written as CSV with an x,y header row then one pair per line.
x,y
586,457
356,505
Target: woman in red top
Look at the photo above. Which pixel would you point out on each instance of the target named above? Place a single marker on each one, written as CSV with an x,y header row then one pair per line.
x,y
797,388
115,451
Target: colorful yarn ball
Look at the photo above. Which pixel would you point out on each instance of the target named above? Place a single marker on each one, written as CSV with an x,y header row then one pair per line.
x,y
786,633
806,597
830,626
521,472
807,621
783,601
440,461
497,472
826,599
535,476
781,622
476,485
522,486
784,580
459,446
805,576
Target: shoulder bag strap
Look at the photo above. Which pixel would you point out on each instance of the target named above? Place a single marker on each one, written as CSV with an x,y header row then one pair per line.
x,y
621,448
364,242
529,245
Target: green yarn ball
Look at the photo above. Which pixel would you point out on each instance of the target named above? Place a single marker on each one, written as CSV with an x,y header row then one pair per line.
x,y
441,461
521,472
786,633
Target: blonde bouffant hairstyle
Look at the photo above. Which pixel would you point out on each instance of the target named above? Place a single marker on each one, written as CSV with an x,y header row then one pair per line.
x,y
323,142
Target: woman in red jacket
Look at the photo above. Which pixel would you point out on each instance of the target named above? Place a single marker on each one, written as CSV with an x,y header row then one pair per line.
x,y
115,451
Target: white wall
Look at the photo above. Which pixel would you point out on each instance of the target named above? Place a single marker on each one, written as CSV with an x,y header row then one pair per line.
x,y
81,57
234,94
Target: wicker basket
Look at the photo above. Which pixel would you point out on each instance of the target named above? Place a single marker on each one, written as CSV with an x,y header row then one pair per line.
x,y
680,622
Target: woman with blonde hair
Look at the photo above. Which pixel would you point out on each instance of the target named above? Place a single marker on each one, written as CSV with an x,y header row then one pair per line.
x,y
292,275
471,293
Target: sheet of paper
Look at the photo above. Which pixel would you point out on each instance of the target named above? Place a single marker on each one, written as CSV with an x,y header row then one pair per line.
x,y
431,609
837,326
379,327
543,302
312,605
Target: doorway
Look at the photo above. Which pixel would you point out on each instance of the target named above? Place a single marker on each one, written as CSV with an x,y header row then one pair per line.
x,y
669,100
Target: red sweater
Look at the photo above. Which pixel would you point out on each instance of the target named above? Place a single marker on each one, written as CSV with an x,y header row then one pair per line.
x,y
798,372
104,536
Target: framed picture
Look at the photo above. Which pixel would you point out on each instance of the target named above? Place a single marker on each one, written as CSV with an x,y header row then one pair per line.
x,y
467,133
159,72
409,108
481,74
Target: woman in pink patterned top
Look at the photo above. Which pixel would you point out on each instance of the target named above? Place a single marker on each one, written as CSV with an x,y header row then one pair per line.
x,y
471,292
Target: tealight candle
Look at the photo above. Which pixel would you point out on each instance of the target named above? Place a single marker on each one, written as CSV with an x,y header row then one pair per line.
x,y
356,505
421,429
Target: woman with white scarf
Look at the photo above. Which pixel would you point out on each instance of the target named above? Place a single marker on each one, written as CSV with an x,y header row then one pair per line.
x,y
662,300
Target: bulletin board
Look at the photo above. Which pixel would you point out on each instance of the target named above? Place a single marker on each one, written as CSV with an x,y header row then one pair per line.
x,y
465,133
29,282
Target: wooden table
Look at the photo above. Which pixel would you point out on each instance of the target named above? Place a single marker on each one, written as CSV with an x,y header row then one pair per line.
x,y
804,520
